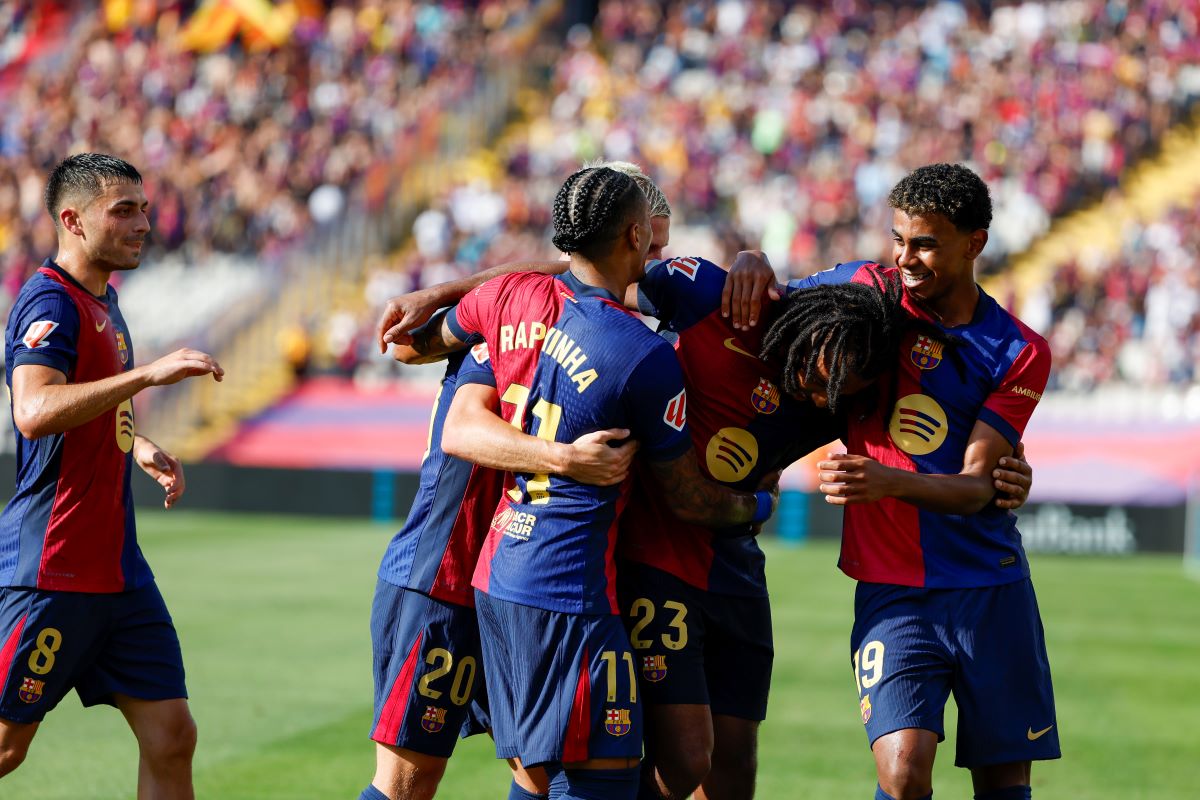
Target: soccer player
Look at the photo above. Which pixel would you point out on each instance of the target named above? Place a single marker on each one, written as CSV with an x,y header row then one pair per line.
x,y
79,607
428,673
944,601
567,354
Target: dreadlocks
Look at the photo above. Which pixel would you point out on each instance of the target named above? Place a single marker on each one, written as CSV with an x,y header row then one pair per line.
x,y
592,207
851,327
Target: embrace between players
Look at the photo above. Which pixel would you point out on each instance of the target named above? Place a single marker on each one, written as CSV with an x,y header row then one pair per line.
x,y
606,613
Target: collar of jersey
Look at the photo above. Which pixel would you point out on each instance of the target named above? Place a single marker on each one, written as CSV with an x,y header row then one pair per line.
x,y
581,289
66,276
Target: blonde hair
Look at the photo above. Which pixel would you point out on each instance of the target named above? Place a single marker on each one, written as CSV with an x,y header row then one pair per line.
x,y
659,207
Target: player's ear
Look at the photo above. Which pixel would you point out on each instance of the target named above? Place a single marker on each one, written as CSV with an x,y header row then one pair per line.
x,y
976,242
70,219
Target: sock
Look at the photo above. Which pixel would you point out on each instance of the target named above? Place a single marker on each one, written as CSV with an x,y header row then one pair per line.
x,y
880,794
1007,793
595,784
371,793
518,792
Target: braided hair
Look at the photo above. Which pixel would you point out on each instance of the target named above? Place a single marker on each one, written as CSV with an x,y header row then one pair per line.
x,y
592,208
850,327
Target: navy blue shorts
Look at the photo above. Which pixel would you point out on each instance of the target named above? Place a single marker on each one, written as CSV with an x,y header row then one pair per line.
x,y
697,647
98,644
428,672
563,687
911,647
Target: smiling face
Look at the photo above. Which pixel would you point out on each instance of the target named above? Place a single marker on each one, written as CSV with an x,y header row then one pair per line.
x,y
113,225
935,258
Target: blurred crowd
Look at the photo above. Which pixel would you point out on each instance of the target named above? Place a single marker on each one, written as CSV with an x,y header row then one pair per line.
x,y
244,149
1132,317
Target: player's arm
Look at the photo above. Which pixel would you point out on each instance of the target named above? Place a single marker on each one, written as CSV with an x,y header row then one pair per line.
x,y
431,342
847,478
475,432
696,499
409,311
160,465
750,278
44,403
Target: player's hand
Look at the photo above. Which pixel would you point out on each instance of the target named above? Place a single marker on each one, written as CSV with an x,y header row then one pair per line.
x,y
184,363
162,466
847,479
1012,478
769,483
403,314
594,460
749,276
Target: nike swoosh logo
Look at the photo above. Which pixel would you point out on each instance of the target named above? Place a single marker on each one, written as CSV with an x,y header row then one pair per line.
x,y
100,327
1039,734
729,343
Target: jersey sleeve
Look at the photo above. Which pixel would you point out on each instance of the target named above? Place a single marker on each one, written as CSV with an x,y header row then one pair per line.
x,y
46,331
656,405
1010,406
842,273
472,318
476,367
681,291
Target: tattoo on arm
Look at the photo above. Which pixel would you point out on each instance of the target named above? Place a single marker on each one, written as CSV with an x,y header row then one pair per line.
x,y
694,498
435,339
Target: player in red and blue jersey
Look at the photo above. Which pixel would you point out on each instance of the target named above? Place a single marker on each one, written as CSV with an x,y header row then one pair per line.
x,y
78,605
944,601
568,355
428,670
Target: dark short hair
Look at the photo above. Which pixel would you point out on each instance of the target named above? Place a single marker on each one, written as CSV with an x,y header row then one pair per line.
x,y
85,175
592,207
951,190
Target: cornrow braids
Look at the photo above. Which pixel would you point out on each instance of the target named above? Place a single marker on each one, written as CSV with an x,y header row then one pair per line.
x,y
850,327
592,208
659,207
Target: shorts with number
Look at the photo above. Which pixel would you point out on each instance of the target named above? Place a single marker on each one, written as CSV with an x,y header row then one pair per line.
x,y
562,686
697,647
98,644
912,647
428,671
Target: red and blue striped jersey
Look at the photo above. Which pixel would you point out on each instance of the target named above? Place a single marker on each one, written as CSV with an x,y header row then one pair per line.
x,y
569,360
996,375
743,427
69,526
435,551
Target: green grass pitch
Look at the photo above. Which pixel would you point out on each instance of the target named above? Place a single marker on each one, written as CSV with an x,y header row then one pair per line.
x,y
273,614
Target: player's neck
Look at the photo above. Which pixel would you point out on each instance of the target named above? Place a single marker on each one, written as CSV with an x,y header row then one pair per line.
x,y
956,307
588,273
89,276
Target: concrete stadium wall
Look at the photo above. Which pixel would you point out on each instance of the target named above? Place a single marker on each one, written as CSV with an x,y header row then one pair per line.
x,y
387,494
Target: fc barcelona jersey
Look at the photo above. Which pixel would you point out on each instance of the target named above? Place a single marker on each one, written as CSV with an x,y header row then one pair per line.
x,y
436,550
69,526
996,375
743,427
569,360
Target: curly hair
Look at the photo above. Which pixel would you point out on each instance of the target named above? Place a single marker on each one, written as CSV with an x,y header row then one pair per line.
x,y
850,327
951,190
592,207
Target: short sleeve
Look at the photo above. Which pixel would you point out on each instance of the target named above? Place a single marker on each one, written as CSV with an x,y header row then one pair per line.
x,y
471,319
842,273
45,331
656,405
1010,406
476,367
681,291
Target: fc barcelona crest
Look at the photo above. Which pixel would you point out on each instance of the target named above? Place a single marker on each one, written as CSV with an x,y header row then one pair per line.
x,y
433,719
654,668
616,721
765,397
926,353
122,350
864,706
31,690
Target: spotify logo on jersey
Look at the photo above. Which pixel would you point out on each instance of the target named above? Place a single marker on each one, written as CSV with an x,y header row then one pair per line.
x,y
125,426
731,454
918,424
